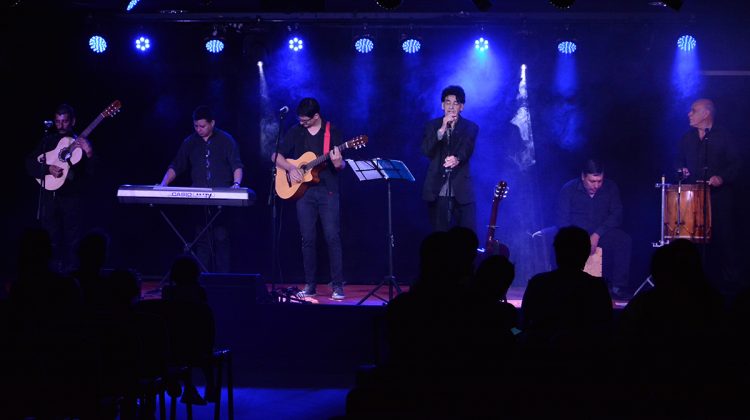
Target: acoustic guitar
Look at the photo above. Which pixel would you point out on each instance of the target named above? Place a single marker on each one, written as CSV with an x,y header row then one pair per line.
x,y
65,156
492,245
310,165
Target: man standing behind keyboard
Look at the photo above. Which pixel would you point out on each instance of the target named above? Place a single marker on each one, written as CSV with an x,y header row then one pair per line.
x,y
213,158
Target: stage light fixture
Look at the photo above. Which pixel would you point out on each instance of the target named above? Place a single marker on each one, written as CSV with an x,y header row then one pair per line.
x,y
131,5
260,64
98,44
686,43
567,47
364,44
562,4
483,5
215,41
296,44
142,44
388,4
481,44
411,45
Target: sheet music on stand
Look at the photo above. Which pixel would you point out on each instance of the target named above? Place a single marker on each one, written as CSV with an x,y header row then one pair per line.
x,y
386,169
380,169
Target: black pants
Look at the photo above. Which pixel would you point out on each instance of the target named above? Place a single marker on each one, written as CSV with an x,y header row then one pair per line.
x,y
445,210
62,217
213,247
320,203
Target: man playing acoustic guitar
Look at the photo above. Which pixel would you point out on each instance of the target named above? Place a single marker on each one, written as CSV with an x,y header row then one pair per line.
x,y
321,199
60,211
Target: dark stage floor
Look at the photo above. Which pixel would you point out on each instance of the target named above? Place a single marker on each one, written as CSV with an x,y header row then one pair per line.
x,y
354,294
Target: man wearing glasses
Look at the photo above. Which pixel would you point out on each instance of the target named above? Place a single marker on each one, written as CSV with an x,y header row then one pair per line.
x,y
448,142
320,200
213,158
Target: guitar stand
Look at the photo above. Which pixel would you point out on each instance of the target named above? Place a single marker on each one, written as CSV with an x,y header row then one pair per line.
x,y
386,169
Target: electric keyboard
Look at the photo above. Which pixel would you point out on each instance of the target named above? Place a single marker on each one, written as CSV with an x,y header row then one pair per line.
x,y
155,194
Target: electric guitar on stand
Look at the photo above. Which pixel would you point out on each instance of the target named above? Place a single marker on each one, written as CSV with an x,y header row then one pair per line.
x,y
64,156
310,166
493,246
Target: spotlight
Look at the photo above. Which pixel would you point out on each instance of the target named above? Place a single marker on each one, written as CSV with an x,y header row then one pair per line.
x,y
562,4
364,44
260,64
686,43
215,41
97,44
481,44
296,44
388,4
483,5
411,45
142,44
567,47
131,5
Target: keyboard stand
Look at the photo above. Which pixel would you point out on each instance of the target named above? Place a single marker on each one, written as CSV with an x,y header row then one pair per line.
x,y
187,247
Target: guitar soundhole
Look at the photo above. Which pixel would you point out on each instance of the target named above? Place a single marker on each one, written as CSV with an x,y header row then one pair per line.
x,y
64,155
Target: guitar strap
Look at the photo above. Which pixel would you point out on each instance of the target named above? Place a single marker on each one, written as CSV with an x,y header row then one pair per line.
x,y
327,138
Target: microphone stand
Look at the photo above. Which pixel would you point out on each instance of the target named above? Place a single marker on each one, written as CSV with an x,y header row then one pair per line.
x,y
448,173
43,176
272,203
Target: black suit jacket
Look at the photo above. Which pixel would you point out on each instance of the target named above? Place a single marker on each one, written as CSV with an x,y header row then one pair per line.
x,y
461,145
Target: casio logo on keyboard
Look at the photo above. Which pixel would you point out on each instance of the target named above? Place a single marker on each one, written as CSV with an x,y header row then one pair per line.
x,y
191,195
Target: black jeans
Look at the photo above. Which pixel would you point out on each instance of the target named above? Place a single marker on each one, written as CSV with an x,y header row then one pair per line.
x,y
320,203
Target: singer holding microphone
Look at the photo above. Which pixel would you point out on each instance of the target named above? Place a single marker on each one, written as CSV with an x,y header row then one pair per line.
x,y
708,152
448,142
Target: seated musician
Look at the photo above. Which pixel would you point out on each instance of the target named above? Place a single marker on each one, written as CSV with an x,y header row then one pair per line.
x,y
593,203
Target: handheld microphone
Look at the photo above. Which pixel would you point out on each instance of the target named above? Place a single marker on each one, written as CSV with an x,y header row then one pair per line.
x,y
48,124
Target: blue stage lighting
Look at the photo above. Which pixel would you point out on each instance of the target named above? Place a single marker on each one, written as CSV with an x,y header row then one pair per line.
x,y
411,45
363,45
567,47
131,5
481,44
215,46
686,43
98,44
295,44
142,44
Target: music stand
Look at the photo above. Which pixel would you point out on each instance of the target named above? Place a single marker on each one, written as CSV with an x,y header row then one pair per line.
x,y
386,169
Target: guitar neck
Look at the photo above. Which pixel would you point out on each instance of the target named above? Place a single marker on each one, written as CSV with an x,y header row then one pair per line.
x,y
92,126
326,156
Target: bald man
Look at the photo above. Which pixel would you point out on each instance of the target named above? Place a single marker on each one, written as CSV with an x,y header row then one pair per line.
x,y
708,152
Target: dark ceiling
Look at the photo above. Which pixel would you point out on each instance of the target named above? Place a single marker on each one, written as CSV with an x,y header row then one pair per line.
x,y
186,10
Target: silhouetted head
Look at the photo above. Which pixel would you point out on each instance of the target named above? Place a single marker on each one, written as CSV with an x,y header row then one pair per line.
x,y
185,270
92,250
464,243
572,247
677,264
494,276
